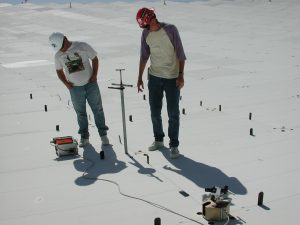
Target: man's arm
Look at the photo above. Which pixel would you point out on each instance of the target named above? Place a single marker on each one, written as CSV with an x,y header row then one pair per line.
x,y
180,78
144,56
95,66
61,75
140,83
174,36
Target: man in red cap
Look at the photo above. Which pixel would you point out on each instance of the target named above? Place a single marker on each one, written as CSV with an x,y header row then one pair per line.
x,y
162,44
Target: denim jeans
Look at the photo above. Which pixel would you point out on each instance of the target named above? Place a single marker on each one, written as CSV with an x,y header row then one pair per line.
x,y
157,86
88,93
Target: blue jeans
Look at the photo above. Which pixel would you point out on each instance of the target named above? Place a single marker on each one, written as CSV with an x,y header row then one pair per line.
x,y
156,87
88,93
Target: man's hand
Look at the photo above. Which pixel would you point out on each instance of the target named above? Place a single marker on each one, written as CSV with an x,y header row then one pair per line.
x,y
93,79
140,84
69,85
95,66
179,82
61,75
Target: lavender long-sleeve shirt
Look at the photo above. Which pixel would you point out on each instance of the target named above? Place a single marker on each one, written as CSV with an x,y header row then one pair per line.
x,y
164,47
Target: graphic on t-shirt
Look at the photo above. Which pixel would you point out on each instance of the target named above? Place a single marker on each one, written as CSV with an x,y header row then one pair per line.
x,y
74,63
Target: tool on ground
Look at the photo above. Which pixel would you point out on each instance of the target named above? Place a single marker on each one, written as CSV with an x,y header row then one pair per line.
x,y
215,206
64,146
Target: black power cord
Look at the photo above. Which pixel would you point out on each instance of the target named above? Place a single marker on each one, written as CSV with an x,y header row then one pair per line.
x,y
133,197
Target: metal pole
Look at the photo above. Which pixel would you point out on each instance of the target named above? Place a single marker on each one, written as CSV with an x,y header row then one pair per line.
x,y
124,119
121,88
123,111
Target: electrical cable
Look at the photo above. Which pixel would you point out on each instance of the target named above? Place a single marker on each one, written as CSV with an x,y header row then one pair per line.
x,y
84,175
171,181
228,218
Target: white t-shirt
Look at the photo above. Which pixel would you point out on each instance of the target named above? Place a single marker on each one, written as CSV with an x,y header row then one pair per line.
x,y
76,62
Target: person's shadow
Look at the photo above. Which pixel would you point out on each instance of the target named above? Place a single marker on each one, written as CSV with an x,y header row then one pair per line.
x,y
203,175
92,166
